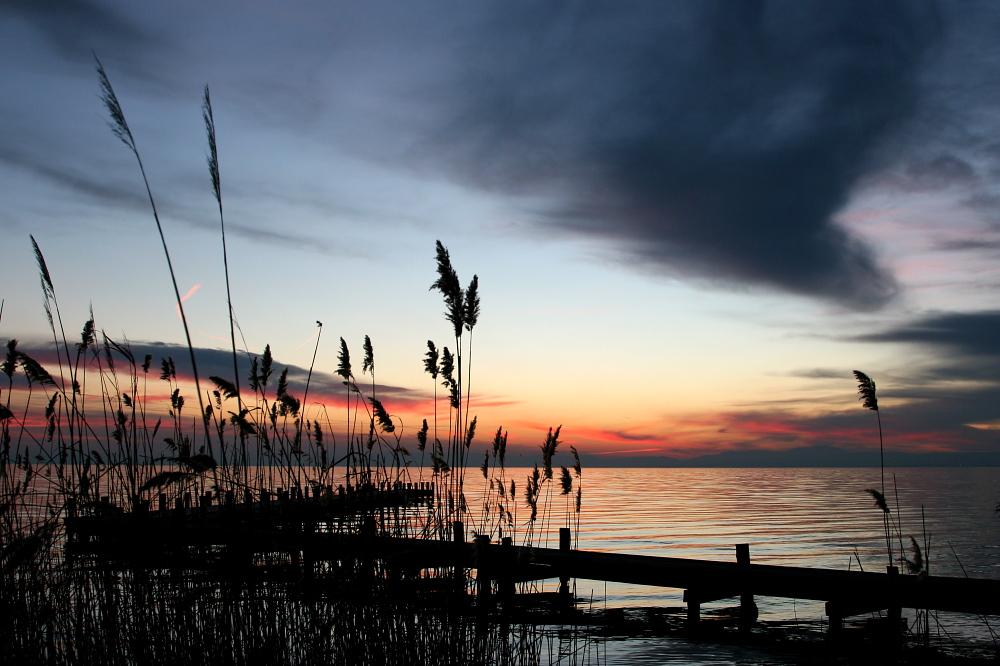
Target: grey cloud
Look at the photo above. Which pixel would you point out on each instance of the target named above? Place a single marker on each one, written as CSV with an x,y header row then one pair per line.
x,y
973,333
75,28
968,245
940,171
268,236
219,362
634,437
706,139
105,192
820,373
73,179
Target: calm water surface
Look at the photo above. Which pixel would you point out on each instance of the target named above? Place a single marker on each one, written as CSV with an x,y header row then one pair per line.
x,y
800,516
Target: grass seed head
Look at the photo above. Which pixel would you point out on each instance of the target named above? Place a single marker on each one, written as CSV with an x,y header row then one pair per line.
x,y
866,389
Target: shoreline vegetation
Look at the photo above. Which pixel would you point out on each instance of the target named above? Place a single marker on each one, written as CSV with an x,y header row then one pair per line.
x,y
237,525
242,526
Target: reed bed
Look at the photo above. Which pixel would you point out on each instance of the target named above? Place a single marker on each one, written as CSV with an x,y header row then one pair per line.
x,y
127,521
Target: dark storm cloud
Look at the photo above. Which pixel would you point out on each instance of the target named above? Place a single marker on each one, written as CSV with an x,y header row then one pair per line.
x,y
971,333
712,139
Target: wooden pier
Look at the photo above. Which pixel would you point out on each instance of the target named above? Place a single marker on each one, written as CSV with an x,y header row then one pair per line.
x,y
300,527
846,593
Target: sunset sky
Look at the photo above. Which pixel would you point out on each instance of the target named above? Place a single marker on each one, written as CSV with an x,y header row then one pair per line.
x,y
690,220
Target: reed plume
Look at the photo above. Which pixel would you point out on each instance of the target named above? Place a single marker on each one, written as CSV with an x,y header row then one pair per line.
x,y
565,481
422,437
470,316
369,362
470,433
879,499
431,360
549,450
384,421
881,503
344,362
866,389
916,565
451,289
432,368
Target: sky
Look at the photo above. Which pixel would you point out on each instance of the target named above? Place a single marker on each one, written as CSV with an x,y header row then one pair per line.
x,y
690,221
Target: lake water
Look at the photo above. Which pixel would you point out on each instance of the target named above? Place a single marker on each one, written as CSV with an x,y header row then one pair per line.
x,y
810,517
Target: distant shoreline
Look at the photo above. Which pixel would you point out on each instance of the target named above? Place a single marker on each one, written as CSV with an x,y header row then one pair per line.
x,y
807,456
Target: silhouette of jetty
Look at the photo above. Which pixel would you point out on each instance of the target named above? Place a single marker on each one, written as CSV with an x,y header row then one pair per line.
x,y
304,535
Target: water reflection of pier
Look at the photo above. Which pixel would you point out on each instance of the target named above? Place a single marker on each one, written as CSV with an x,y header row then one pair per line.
x,y
286,533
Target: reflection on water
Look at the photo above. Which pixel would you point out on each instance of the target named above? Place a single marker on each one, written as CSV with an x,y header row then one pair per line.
x,y
638,652
800,516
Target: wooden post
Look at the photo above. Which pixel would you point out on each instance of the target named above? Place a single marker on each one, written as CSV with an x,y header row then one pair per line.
x,y
835,626
694,609
564,542
895,612
748,607
506,578
484,577
458,536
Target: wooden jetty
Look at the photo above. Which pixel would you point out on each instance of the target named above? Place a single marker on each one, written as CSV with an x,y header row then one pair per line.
x,y
302,527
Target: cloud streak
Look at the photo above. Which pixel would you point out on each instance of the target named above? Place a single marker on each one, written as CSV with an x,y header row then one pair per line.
x,y
975,333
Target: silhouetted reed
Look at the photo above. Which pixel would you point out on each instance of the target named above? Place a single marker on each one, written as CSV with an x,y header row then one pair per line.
x,y
137,532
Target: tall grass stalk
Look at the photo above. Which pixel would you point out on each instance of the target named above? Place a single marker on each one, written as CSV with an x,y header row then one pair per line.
x,y
213,171
86,449
866,392
119,126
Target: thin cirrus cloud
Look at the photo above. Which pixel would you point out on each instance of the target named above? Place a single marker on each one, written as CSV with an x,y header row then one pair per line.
x,y
710,140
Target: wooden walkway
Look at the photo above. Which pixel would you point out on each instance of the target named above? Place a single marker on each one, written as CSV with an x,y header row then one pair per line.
x,y
297,528
846,593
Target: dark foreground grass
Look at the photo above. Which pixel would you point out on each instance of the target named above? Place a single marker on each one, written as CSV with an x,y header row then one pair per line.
x,y
92,573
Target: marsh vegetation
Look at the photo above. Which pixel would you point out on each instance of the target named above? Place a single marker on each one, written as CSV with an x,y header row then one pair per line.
x,y
242,528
